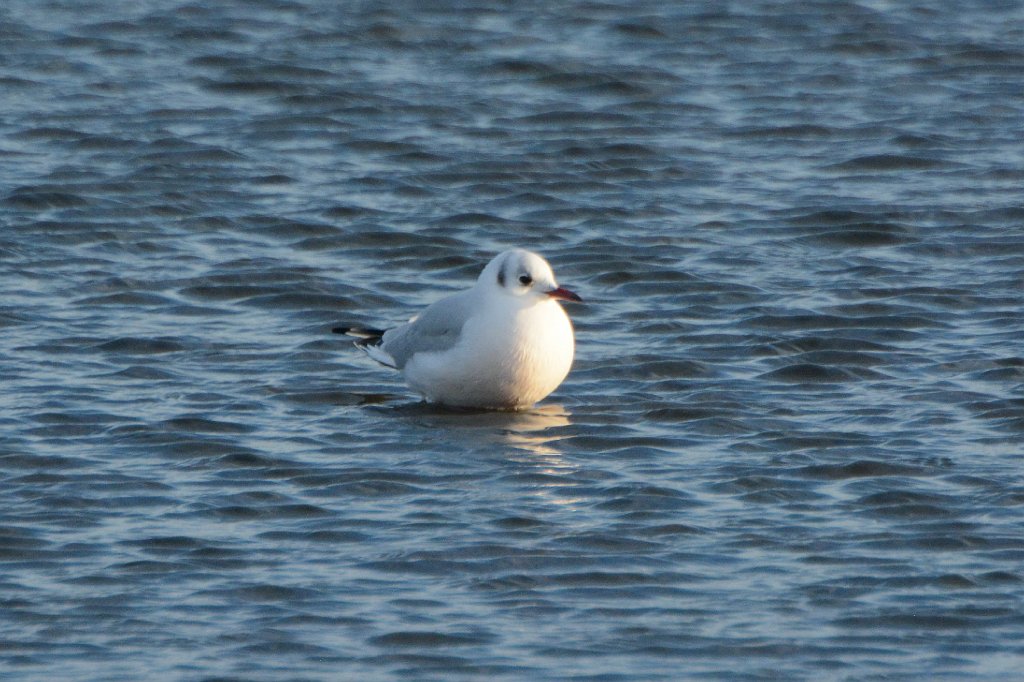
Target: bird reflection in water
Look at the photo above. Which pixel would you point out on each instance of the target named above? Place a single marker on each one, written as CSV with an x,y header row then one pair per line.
x,y
535,431
532,430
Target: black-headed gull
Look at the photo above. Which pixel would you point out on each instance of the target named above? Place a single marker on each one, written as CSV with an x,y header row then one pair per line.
x,y
503,344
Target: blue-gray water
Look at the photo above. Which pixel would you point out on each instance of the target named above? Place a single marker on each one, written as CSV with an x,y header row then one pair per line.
x,y
791,446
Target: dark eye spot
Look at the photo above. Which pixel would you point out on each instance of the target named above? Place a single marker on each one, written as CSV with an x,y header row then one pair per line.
x,y
526,280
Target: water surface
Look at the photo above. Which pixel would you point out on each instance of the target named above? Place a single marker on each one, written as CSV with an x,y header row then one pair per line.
x,y
791,445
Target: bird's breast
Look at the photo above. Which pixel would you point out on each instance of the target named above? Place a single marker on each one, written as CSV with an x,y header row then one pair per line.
x,y
501,360
538,348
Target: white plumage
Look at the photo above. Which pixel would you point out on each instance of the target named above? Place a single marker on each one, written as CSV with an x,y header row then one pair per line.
x,y
503,344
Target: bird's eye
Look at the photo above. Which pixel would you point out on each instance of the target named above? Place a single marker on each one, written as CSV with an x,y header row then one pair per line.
x,y
526,280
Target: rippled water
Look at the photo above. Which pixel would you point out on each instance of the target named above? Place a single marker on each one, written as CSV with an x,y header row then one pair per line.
x,y
791,446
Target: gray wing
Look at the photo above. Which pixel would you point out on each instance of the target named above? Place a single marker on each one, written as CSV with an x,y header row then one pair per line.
x,y
437,328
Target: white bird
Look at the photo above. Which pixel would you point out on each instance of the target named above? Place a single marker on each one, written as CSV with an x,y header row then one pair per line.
x,y
503,344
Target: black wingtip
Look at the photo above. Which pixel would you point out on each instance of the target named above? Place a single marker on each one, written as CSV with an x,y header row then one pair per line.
x,y
340,330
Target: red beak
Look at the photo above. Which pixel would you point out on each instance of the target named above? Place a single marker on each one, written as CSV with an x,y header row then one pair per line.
x,y
565,295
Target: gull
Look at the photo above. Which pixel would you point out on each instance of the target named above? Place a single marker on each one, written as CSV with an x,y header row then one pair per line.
x,y
503,344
